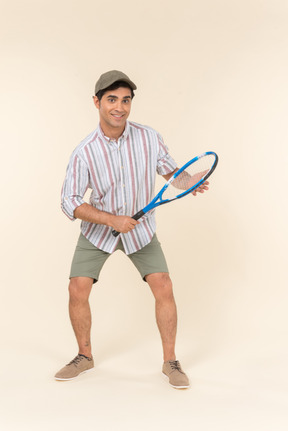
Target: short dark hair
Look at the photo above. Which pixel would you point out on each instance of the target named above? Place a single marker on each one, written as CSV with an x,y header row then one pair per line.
x,y
114,86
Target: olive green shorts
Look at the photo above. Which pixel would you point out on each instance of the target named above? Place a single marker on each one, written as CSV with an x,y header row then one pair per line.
x,y
88,260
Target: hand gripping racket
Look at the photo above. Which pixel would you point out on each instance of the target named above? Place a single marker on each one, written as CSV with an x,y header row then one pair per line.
x,y
183,182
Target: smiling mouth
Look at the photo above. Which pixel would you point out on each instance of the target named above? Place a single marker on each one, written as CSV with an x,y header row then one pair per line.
x,y
117,116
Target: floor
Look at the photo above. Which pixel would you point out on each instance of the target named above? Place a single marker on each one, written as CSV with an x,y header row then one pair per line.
x,y
234,388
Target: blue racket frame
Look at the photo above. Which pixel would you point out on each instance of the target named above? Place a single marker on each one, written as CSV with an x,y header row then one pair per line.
x,y
157,201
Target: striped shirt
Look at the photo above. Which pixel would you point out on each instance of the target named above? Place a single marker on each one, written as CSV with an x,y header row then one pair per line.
x,y
122,176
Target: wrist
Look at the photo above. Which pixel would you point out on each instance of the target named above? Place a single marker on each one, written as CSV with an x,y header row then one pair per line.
x,y
110,220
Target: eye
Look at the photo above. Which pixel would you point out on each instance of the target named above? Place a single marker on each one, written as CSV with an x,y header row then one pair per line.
x,y
111,100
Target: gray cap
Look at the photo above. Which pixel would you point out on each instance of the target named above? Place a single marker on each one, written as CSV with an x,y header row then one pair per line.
x,y
108,78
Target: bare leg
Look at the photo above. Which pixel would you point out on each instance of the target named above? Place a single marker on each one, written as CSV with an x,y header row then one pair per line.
x,y
79,311
166,312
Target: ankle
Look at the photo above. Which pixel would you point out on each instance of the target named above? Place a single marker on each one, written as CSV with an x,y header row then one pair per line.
x,y
169,358
87,355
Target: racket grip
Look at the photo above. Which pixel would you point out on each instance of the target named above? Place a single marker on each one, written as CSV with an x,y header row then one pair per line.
x,y
115,233
136,217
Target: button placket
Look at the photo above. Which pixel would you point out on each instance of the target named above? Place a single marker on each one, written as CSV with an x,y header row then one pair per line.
x,y
121,165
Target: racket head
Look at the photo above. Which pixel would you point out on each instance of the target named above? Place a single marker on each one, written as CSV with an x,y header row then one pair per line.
x,y
184,181
189,177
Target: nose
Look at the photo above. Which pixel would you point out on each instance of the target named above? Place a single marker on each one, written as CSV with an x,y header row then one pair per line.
x,y
118,106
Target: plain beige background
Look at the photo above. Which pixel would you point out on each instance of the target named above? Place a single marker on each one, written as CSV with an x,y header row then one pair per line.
x,y
211,75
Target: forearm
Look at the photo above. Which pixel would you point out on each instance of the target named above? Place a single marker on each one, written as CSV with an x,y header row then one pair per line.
x,y
185,181
178,181
168,176
120,223
88,213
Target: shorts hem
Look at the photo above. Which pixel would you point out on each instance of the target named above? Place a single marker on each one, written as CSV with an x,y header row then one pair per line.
x,y
153,272
95,279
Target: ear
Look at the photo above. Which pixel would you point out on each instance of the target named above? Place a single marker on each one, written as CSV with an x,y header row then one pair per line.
x,y
96,102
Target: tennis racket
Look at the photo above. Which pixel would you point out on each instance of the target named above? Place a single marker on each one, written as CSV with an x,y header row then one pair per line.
x,y
183,182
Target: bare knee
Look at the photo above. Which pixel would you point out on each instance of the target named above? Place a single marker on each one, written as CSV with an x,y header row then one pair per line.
x,y
161,286
80,288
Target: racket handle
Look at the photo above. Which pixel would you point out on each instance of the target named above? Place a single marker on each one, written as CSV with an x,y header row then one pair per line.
x,y
136,217
115,233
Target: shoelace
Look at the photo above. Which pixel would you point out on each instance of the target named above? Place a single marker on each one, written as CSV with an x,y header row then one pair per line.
x,y
76,360
175,365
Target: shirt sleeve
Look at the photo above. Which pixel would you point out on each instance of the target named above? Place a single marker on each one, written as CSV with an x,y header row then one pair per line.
x,y
75,185
165,163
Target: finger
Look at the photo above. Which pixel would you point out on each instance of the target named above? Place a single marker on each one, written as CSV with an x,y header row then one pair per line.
x,y
134,222
199,190
203,185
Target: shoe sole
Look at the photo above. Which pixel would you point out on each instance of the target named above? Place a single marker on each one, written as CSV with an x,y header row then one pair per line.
x,y
72,378
173,386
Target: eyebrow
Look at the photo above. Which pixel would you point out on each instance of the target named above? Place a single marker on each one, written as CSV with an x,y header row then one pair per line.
x,y
116,97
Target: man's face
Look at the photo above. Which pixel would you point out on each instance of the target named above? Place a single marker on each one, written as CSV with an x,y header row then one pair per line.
x,y
114,109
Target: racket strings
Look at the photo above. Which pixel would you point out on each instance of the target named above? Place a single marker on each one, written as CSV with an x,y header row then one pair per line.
x,y
189,177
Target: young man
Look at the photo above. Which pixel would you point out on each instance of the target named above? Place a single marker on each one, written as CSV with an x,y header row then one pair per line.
x,y
119,162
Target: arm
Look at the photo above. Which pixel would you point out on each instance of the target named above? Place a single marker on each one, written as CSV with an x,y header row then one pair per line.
x,y
73,205
88,213
165,163
168,176
200,189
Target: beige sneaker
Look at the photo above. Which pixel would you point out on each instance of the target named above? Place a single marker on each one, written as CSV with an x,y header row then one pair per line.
x,y
177,377
80,364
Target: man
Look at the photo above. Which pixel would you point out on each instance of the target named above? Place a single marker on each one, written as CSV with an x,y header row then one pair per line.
x,y
119,162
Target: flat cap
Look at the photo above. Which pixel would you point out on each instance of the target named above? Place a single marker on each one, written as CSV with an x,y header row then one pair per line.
x,y
108,78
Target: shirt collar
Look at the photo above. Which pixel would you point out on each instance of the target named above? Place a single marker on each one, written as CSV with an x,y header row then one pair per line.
x,y
122,138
